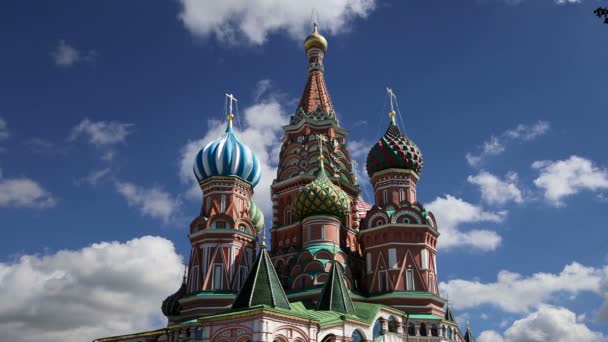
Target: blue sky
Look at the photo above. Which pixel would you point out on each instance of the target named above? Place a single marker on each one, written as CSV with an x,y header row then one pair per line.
x,y
103,104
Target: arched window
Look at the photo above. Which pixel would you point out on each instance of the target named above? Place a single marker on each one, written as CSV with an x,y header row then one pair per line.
x,y
434,330
356,337
423,331
392,324
329,338
411,329
449,333
377,331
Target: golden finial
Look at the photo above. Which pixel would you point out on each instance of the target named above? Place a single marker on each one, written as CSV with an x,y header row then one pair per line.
x,y
392,97
230,116
468,327
334,251
315,39
321,139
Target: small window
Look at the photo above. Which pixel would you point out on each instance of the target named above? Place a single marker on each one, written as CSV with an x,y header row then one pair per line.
x,y
383,281
323,232
424,259
423,331
411,329
409,274
223,204
385,196
220,225
194,280
242,228
401,195
392,258
217,277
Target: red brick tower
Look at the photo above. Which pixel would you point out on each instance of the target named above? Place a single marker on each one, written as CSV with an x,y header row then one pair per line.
x,y
298,165
398,235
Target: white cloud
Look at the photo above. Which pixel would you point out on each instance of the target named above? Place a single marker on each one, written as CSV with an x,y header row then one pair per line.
x,y
4,133
94,176
565,2
105,289
102,134
562,178
452,212
548,323
359,149
152,202
232,21
498,144
261,130
24,193
495,190
65,55
515,293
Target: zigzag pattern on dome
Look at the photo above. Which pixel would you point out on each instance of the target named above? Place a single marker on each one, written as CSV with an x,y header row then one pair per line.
x,y
394,151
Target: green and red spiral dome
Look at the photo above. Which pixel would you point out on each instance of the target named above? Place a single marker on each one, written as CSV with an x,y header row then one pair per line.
x,y
394,151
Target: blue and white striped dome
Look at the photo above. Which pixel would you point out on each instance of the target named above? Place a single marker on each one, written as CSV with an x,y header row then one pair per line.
x,y
227,156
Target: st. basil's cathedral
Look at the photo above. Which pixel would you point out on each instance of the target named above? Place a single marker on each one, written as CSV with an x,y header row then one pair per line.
x,y
337,268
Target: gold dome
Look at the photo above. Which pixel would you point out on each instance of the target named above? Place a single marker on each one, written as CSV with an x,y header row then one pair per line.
x,y
315,40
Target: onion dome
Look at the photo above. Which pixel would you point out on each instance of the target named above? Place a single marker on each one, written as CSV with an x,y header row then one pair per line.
x,y
394,151
256,216
322,197
315,40
171,306
227,156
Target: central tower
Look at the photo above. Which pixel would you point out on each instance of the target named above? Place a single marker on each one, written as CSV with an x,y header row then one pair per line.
x,y
302,246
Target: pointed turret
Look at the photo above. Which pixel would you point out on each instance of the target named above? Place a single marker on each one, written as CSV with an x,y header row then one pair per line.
x,y
334,296
468,336
262,286
448,315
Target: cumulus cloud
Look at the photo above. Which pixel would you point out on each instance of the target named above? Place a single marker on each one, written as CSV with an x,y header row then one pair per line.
x,y
562,178
252,21
104,135
65,55
24,193
498,144
4,133
515,293
452,213
548,323
495,190
105,289
152,202
261,130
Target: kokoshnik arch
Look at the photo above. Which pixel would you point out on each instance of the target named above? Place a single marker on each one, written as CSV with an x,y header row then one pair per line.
x,y
339,269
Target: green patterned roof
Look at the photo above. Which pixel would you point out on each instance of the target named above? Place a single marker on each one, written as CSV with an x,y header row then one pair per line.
x,y
262,286
334,296
322,197
256,216
448,315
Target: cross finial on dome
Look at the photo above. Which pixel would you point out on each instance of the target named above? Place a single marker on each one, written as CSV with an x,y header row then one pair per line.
x,y
321,139
230,98
392,97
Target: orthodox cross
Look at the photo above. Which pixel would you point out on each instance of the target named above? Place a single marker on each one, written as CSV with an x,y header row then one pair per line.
x,y
230,98
392,97
315,14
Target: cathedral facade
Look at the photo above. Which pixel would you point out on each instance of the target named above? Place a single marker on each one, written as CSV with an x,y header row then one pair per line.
x,y
337,268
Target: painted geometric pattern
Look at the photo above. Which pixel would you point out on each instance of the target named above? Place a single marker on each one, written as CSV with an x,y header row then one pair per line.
x,y
322,197
227,156
394,150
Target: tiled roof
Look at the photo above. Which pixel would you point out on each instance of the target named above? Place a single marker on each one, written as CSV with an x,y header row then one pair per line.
x,y
334,296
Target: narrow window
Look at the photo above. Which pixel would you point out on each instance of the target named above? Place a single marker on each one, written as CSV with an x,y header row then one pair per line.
x,y
431,283
223,204
369,262
220,225
323,232
424,259
385,196
409,281
194,279
383,281
242,276
240,204
217,277
308,234
205,259
392,258
434,263
401,195
208,206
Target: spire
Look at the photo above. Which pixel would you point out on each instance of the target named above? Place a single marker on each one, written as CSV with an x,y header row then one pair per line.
x,y
334,296
448,315
262,286
468,336
315,97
